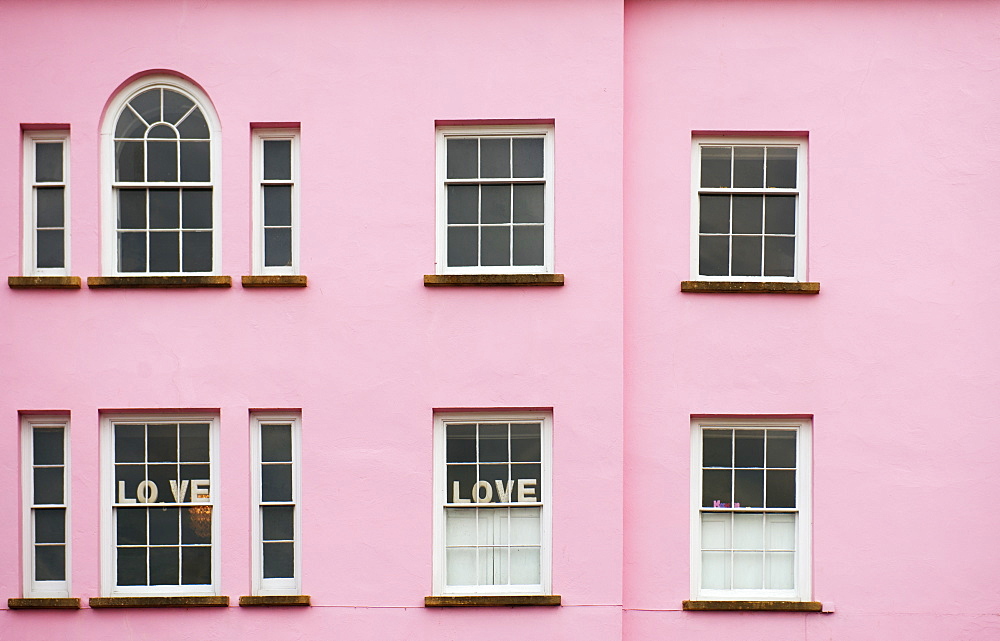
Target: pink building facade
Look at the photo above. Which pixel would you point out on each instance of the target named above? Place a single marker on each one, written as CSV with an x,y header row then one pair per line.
x,y
552,320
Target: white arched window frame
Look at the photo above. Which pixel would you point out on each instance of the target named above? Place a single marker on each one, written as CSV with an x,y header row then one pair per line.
x,y
112,187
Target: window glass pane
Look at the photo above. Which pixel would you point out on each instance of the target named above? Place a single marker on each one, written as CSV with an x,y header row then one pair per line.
x,y
165,525
197,206
532,475
196,565
50,526
161,131
50,563
781,488
196,471
460,526
197,251
780,216
131,475
277,160
463,203
194,442
529,245
129,126
130,161
717,448
48,162
716,166
748,531
746,255
748,488
465,476
163,568
161,161
130,443
132,209
164,208
131,526
276,482
175,105
748,167
748,570
494,157
461,564
194,126
495,245
160,476
196,524
49,206
276,443
491,475
716,485
195,162
713,255
495,206
780,534
277,205
463,245
716,531
525,442
461,443
463,157
747,214
278,247
780,570
715,570
279,560
132,252
779,256
47,445
781,448
49,248
164,251
713,214
147,105
749,448
277,522
525,565
48,485
781,166
528,157
525,526
131,566
493,442
529,203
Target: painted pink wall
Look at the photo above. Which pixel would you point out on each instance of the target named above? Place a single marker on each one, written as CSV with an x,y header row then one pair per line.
x,y
366,351
897,356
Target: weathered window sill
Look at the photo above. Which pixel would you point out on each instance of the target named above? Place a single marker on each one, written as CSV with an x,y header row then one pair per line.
x,y
158,281
43,282
753,606
492,280
491,601
275,281
158,601
63,603
275,600
741,287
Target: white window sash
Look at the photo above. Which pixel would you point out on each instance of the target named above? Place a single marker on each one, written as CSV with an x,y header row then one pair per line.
x,y
257,199
31,587
30,242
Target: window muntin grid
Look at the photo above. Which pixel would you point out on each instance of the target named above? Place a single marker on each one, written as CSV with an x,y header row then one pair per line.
x,y
748,512
748,218
48,506
163,184
46,171
493,507
277,501
162,505
276,201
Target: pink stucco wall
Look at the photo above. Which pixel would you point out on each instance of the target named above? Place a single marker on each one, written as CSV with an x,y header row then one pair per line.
x,y
366,351
896,358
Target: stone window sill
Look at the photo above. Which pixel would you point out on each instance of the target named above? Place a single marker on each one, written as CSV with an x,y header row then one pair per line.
x,y
63,603
492,280
158,281
741,287
275,600
159,601
275,281
492,600
753,606
43,282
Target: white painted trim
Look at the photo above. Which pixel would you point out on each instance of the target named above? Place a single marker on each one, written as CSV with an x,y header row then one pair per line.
x,y
256,198
441,227
441,419
29,245
108,577
803,499
802,202
109,242
260,585
30,587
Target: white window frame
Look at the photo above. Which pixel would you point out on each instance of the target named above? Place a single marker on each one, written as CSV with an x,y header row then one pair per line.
x,y
293,135
283,586
31,587
441,419
109,213
801,191
108,542
30,251
548,233
803,499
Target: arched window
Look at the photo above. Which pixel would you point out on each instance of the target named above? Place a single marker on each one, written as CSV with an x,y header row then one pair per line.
x,y
163,195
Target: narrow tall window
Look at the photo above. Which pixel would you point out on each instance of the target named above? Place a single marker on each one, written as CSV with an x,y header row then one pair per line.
x,y
493,515
163,174
46,501
46,203
751,526
749,209
495,200
276,201
275,448
162,499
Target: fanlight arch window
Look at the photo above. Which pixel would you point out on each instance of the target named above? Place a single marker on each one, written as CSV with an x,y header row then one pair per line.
x,y
163,189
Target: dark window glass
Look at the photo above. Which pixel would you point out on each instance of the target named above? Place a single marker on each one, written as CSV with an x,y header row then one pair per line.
x,y
466,476
781,488
495,245
49,248
529,245
527,471
277,522
461,445
463,157
717,448
164,251
279,560
746,255
161,131
525,442
197,207
49,206
196,524
463,204
161,161
749,448
165,525
714,214
748,166
276,482
197,251
175,105
529,203
132,209
780,215
194,126
131,526
194,442
495,205
129,126
747,214
713,256
50,526
781,448
716,166
278,247
196,565
164,208
716,485
50,563
163,568
147,105
196,164
48,162
131,566
48,485
277,160
132,252
748,488
779,256
493,442
47,445
463,243
528,157
277,205
276,443
781,166
130,443
494,157
130,159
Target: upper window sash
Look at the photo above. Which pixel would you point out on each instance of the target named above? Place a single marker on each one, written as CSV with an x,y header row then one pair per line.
x,y
749,223
46,516
46,203
483,228
275,199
